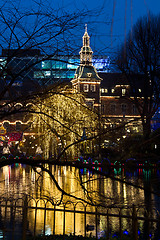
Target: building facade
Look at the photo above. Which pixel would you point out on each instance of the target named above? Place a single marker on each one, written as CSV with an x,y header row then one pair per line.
x,y
86,78
110,93
32,65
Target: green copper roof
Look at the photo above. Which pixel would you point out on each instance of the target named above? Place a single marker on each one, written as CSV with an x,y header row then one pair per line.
x,y
87,72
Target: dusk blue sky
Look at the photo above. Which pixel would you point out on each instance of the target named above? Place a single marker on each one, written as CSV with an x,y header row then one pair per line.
x,y
103,40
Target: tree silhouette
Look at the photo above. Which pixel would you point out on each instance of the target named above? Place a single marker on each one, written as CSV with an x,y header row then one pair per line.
x,y
138,59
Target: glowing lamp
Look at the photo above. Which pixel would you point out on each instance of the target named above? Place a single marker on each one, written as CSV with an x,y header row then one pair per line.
x,y
125,232
139,232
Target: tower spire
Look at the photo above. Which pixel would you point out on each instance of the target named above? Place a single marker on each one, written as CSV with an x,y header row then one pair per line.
x,y
86,51
86,27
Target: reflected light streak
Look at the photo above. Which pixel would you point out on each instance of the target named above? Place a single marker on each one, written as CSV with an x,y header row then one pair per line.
x,y
124,192
33,176
65,170
6,172
118,188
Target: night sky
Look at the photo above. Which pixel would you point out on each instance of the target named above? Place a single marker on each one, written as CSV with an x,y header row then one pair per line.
x,y
105,30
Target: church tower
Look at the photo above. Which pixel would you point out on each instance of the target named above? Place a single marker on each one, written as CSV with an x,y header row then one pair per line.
x,y
86,79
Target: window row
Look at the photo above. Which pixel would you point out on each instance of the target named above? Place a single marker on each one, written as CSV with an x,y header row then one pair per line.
x,y
54,74
121,91
89,87
67,63
64,64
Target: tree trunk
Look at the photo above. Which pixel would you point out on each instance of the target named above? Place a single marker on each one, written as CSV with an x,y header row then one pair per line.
x,y
146,127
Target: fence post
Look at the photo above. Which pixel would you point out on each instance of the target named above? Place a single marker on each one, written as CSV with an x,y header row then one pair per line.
x,y
120,224
74,220
96,224
35,221
64,222
135,223
12,219
44,225
107,224
5,217
54,220
24,228
85,222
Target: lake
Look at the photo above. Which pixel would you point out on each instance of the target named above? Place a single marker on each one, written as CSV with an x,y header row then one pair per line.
x,y
112,191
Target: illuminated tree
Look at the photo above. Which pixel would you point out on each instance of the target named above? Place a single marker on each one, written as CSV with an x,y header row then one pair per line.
x,y
62,118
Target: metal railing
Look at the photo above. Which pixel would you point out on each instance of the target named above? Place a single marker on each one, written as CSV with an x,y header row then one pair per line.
x,y
13,212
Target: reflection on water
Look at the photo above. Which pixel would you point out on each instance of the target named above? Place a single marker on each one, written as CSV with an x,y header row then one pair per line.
x,y
17,180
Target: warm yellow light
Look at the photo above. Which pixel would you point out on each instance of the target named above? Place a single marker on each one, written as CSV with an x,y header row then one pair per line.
x,y
66,117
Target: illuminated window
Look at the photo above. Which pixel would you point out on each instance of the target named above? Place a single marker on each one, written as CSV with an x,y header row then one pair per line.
x,y
46,64
47,73
62,65
123,91
42,74
93,88
2,63
102,90
70,74
72,63
89,74
139,90
58,64
85,87
38,74
112,90
53,64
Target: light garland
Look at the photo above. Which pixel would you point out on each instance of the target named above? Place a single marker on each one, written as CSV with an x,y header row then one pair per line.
x,y
64,118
